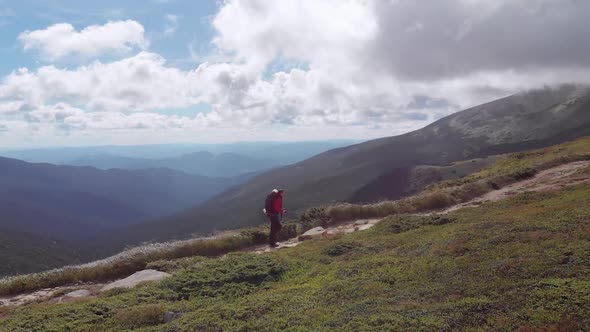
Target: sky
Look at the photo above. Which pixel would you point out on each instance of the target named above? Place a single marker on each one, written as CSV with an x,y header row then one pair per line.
x,y
164,71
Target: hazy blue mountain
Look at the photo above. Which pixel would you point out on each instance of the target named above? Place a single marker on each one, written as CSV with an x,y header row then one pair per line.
x,y
201,163
276,153
73,203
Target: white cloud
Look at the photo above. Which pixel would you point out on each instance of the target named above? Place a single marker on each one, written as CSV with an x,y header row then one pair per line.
x,y
318,31
61,40
171,24
370,68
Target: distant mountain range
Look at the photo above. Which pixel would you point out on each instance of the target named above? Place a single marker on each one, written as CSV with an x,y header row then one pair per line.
x,y
220,160
77,203
201,163
380,168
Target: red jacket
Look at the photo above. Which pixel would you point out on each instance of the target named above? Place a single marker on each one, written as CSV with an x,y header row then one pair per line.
x,y
278,204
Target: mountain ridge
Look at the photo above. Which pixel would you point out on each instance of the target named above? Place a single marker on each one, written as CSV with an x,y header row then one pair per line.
x,y
69,201
536,118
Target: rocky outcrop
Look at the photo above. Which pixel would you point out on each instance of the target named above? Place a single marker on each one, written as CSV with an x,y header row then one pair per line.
x,y
313,233
136,278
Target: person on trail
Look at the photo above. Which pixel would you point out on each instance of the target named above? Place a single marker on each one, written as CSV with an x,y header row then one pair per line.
x,y
273,207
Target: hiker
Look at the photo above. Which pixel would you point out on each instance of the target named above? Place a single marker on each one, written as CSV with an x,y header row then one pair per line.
x,y
273,207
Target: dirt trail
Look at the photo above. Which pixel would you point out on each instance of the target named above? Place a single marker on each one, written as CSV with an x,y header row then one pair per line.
x,y
548,180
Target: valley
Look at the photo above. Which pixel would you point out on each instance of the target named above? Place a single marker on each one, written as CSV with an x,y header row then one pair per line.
x,y
511,237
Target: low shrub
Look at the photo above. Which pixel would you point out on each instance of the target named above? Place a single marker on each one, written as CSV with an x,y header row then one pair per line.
x,y
403,223
141,316
235,275
341,247
432,201
259,235
167,265
288,231
314,217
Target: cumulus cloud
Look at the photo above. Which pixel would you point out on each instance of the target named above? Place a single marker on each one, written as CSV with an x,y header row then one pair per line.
x,y
61,40
459,37
375,57
373,67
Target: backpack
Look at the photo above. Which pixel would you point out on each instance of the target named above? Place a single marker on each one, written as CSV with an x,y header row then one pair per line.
x,y
269,203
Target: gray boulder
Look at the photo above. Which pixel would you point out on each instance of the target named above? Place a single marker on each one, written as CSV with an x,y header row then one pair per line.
x,y
313,233
136,278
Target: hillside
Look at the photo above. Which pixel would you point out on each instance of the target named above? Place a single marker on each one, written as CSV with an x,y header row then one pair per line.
x,y
378,169
518,263
25,253
77,203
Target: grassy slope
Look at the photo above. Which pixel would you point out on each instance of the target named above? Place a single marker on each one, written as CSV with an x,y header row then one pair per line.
x,y
519,263
536,159
507,169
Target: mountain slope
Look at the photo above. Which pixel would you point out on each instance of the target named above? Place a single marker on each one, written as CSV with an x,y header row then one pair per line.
x,y
526,120
25,253
75,203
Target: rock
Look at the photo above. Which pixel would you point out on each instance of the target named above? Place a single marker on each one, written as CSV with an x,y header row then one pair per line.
x,y
312,233
78,293
136,278
361,222
75,295
364,227
172,315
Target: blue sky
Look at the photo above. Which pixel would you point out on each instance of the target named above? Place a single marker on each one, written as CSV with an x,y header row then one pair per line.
x,y
193,20
168,71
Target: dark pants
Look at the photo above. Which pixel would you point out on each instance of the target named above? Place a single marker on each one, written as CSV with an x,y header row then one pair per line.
x,y
275,228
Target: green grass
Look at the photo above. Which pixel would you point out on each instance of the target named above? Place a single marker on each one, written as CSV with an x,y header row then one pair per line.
x,y
518,264
508,169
